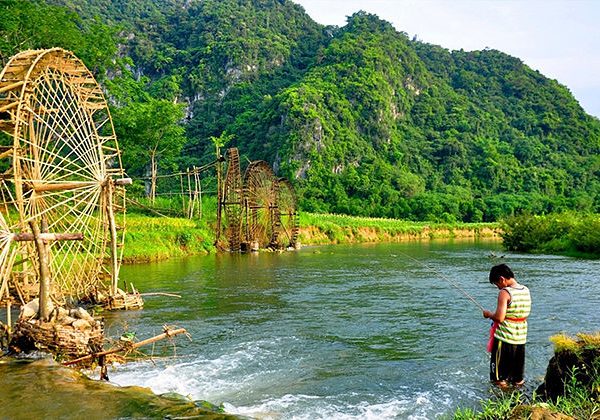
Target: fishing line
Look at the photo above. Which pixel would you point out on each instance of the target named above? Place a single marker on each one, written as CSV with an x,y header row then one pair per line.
x,y
456,286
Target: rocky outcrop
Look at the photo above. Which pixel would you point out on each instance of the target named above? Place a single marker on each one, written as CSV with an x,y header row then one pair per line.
x,y
576,363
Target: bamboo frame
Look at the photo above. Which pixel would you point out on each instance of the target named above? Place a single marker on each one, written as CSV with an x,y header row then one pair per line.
x,y
64,157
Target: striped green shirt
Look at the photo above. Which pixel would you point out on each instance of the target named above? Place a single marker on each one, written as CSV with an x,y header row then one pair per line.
x,y
513,329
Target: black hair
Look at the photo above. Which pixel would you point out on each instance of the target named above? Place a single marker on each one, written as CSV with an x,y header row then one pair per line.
x,y
500,270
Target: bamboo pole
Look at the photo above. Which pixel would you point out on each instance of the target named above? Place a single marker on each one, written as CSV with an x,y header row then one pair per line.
x,y
42,250
182,195
219,193
26,236
167,334
190,211
199,193
114,256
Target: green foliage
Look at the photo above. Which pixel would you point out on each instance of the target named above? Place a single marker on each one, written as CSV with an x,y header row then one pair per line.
x,y
363,120
567,233
34,24
148,131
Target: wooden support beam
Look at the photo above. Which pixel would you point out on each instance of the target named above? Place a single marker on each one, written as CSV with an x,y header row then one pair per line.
x,y
44,267
26,236
62,186
123,181
11,86
6,107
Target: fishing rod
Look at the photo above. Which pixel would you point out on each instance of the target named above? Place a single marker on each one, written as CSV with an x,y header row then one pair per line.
x,y
456,286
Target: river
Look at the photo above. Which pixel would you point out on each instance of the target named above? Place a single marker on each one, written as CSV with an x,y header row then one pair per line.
x,y
345,331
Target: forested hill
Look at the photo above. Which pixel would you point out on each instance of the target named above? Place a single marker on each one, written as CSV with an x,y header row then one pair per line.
x,y
363,119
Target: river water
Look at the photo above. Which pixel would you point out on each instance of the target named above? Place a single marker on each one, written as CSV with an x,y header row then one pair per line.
x,y
344,332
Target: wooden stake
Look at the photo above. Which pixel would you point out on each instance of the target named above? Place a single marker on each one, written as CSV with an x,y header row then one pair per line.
x,y
114,257
42,251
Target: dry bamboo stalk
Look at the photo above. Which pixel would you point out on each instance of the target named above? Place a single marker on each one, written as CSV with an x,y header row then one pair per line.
x,y
160,294
63,186
6,153
109,190
168,333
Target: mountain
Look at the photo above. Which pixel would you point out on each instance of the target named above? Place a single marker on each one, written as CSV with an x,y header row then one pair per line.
x,y
361,118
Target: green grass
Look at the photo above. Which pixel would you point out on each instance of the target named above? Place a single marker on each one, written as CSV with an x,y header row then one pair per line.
x,y
581,399
151,238
579,402
337,228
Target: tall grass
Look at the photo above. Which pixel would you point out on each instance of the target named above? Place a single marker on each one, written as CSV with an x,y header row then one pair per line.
x,y
581,398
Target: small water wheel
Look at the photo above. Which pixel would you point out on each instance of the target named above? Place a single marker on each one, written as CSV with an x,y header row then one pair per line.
x,y
287,212
65,161
260,191
233,200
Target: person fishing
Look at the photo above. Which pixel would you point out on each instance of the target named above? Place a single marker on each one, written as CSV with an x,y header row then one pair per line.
x,y
508,334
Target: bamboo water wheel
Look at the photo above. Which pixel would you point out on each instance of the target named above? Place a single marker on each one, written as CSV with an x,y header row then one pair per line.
x,y
232,200
260,195
260,210
287,213
65,173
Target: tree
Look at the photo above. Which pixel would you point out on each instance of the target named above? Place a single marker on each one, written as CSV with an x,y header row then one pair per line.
x,y
149,133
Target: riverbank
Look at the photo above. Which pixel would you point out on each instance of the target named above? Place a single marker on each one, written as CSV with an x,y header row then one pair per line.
x,y
321,229
571,387
151,238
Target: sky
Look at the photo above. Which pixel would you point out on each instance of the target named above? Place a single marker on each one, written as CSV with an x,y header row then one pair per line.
x,y
559,38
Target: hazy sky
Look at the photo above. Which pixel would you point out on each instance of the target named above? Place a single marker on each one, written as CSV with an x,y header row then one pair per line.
x,y
560,38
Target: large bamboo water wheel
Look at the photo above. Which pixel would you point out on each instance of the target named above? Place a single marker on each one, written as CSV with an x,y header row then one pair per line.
x,y
260,195
287,213
65,174
233,200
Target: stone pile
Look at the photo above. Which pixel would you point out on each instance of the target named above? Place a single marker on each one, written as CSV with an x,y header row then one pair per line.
x,y
68,333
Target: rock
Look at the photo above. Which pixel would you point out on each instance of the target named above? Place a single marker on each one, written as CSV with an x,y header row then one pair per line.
x,y
62,313
540,413
30,309
81,313
68,320
81,325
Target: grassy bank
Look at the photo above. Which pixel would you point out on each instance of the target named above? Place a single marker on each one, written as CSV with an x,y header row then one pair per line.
x,y
565,233
336,229
152,238
571,387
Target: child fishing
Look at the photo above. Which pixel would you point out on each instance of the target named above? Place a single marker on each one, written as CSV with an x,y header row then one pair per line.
x,y
509,330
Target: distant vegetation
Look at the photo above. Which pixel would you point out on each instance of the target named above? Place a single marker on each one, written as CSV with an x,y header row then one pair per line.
x,y
565,233
363,120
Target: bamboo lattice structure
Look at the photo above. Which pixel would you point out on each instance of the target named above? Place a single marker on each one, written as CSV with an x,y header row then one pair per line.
x,y
65,176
